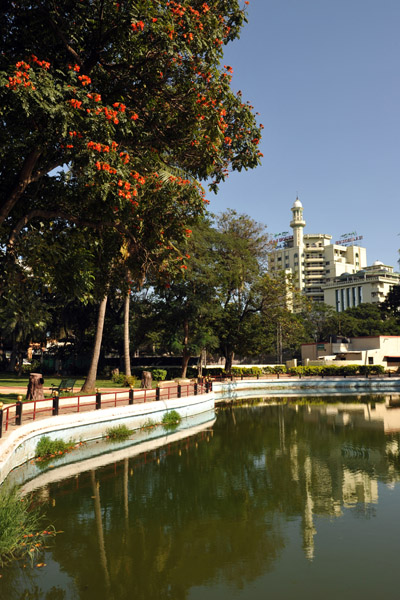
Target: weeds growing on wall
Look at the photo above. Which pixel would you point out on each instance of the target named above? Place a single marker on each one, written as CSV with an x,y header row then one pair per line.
x,y
171,419
47,448
119,433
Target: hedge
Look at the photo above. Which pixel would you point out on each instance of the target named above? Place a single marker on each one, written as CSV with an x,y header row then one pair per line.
x,y
339,370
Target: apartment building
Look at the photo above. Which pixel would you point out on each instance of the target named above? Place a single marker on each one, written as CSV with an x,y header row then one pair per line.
x,y
312,260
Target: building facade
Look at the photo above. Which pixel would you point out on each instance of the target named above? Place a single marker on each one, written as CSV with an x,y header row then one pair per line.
x,y
371,284
312,260
367,350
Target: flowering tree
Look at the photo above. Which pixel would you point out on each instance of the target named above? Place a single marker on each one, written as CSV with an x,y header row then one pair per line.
x,y
130,103
117,92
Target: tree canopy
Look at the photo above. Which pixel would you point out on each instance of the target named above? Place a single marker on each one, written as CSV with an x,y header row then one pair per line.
x,y
117,94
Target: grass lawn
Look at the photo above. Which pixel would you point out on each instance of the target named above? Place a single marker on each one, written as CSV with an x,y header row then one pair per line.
x,y
9,398
11,380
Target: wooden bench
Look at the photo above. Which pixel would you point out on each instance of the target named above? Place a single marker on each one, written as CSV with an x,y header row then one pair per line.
x,y
65,385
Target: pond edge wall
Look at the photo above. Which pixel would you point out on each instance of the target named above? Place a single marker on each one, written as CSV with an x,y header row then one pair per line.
x,y
19,447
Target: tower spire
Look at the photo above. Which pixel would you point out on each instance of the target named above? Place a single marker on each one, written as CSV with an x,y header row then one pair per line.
x,y
297,223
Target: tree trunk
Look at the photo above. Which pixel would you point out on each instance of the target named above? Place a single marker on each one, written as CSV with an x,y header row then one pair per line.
x,y
90,381
127,355
147,380
229,361
14,354
185,362
99,527
25,178
186,352
35,387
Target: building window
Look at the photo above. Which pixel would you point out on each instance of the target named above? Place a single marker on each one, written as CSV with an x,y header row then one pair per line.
x,y
337,300
360,295
370,360
354,296
342,299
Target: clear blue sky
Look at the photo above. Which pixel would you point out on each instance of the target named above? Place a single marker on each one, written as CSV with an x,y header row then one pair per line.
x,y
325,77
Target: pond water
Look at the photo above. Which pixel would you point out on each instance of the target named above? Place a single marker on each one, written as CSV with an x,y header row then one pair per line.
x,y
290,498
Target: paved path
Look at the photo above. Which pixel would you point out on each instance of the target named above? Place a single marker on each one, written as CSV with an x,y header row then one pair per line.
x,y
47,390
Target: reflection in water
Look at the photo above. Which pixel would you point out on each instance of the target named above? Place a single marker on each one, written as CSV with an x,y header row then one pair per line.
x,y
228,509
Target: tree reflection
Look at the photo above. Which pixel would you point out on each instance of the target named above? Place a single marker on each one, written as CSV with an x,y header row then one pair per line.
x,y
216,509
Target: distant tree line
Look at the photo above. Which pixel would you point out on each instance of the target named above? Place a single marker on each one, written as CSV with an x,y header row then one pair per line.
x,y
224,303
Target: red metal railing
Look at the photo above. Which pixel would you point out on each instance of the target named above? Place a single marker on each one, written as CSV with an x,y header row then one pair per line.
x,y
30,411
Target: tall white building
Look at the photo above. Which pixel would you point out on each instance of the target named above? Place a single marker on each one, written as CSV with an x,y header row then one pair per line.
x,y
311,260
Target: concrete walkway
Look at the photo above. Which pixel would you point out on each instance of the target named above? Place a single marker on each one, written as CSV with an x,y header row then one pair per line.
x,y
47,390
45,415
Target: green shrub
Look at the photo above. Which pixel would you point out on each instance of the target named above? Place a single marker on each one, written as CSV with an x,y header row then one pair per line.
x,y
131,380
21,535
118,378
171,419
213,372
148,424
249,371
48,448
33,367
350,369
331,370
372,369
119,433
159,374
237,371
337,370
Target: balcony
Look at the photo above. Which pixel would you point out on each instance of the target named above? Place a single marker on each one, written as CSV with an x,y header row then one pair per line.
x,y
314,258
311,267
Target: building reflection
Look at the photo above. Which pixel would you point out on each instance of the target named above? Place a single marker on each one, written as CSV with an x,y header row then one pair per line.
x,y
215,506
346,474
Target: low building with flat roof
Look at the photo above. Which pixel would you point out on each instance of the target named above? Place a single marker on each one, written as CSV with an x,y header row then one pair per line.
x,y
371,284
367,350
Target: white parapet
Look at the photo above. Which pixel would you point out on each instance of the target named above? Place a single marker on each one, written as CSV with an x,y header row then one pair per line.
x,y
19,447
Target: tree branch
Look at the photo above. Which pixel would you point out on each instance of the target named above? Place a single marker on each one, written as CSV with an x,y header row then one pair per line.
x,y
64,40
25,178
49,214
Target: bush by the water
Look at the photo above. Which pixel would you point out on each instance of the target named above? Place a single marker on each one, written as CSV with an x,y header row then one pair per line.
x,y
171,418
253,371
245,371
119,433
337,370
21,535
48,448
